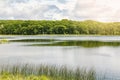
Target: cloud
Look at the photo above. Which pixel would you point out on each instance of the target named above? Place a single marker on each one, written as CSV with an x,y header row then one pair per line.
x,y
101,10
62,1
33,9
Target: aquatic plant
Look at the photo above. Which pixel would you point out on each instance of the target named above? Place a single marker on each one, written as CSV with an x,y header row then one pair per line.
x,y
3,41
44,72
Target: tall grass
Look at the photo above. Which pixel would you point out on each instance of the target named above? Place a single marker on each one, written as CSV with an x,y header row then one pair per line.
x,y
44,72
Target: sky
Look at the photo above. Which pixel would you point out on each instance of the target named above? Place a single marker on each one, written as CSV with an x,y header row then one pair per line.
x,y
100,10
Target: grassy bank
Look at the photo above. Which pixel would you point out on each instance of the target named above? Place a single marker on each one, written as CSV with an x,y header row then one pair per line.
x,y
43,72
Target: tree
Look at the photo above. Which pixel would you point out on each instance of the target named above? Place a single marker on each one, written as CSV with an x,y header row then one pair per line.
x,y
59,29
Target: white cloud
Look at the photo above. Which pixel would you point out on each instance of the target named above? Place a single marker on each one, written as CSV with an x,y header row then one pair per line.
x,y
35,9
102,10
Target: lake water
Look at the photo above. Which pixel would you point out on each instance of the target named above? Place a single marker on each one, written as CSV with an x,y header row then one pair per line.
x,y
99,52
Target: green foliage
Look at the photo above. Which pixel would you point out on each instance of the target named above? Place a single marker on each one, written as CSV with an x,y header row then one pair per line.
x,y
2,41
43,78
59,29
32,27
21,77
43,72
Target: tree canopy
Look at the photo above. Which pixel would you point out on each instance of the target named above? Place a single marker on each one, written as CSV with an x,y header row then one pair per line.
x,y
33,27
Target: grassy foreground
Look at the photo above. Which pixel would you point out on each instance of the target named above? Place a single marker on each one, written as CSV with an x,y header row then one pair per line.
x,y
43,72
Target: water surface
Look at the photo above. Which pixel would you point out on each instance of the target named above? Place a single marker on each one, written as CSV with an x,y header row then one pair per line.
x,y
99,52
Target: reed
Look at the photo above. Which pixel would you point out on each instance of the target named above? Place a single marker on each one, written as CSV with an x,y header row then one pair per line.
x,y
44,72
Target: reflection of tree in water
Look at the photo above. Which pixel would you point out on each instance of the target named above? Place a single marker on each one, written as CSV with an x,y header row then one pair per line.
x,y
33,40
81,43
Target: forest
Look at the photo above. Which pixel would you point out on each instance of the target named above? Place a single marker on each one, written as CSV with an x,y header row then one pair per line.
x,y
64,26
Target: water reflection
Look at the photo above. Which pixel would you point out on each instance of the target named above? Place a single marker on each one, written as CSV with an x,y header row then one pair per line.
x,y
32,40
53,42
103,55
88,44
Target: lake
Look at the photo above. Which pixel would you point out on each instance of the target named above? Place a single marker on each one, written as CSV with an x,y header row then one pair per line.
x,y
99,52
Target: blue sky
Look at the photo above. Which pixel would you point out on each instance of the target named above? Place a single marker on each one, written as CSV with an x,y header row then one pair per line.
x,y
101,10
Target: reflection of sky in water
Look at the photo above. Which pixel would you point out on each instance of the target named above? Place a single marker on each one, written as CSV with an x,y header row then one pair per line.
x,y
104,58
58,37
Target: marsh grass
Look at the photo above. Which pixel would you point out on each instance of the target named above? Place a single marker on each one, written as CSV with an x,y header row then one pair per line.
x,y
2,41
44,72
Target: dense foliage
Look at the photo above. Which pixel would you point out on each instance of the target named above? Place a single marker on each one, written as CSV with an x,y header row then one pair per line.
x,y
32,27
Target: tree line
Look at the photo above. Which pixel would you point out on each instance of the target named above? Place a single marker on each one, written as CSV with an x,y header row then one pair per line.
x,y
34,27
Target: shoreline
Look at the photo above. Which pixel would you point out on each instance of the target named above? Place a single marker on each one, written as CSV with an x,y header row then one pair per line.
x,y
58,35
